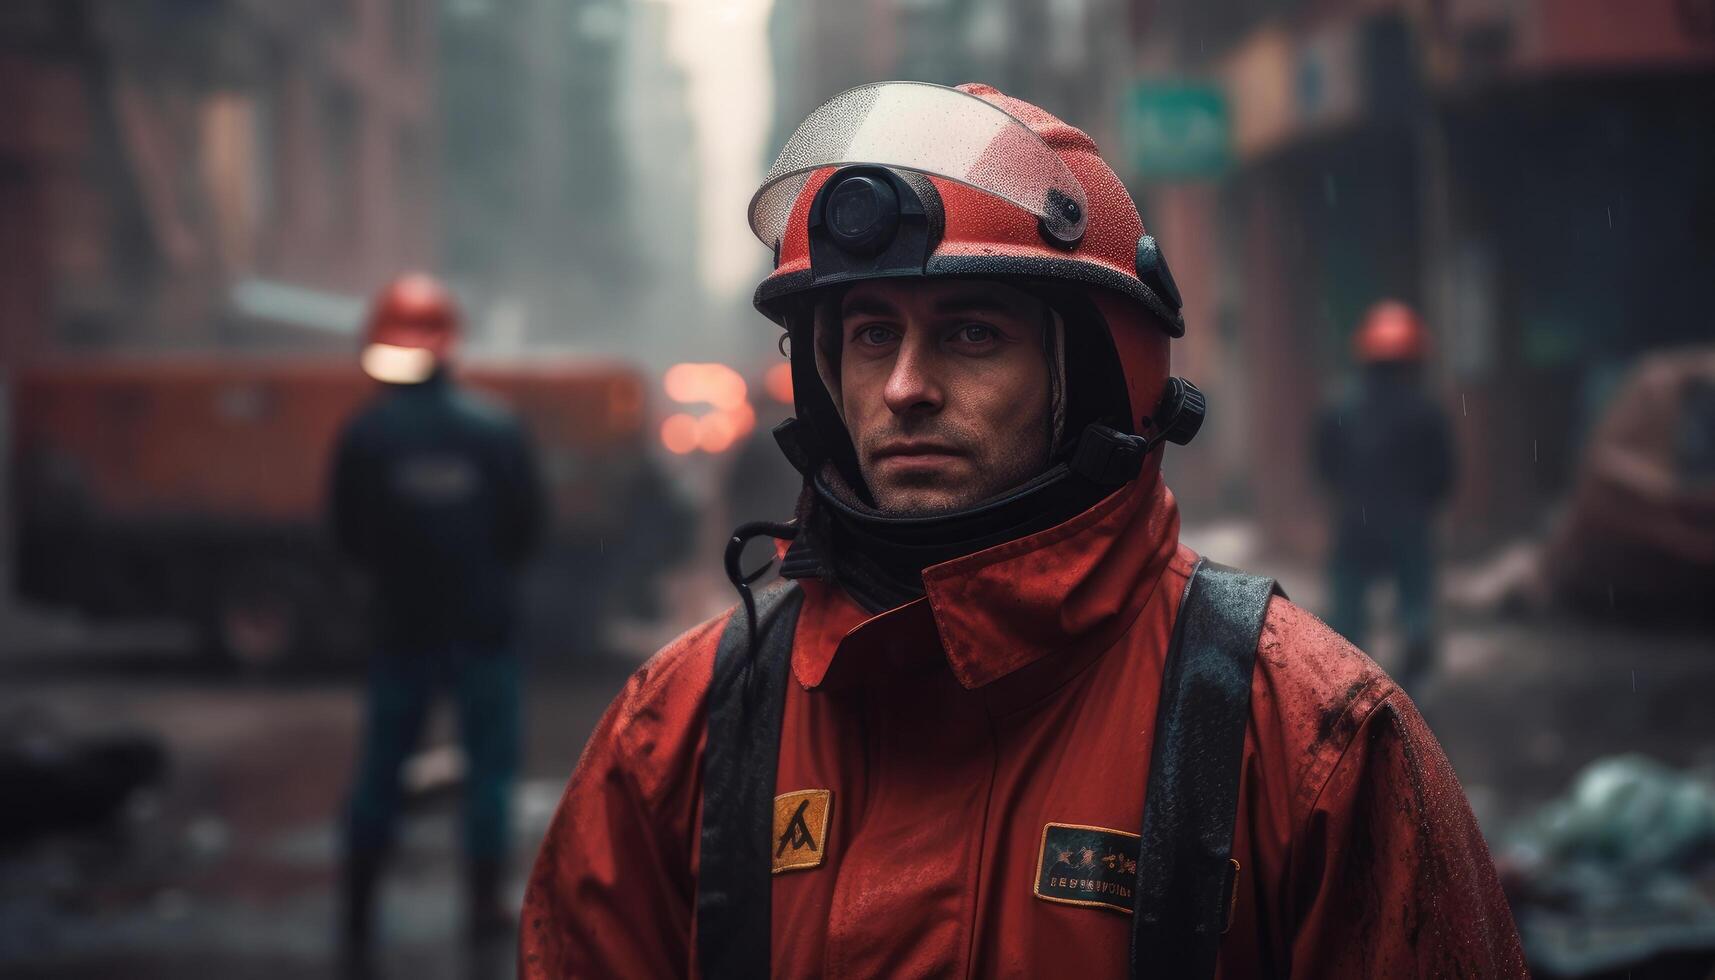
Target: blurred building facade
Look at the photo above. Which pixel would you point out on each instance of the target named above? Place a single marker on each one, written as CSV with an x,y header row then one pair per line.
x,y
1535,176
1066,55
656,140
534,173
212,173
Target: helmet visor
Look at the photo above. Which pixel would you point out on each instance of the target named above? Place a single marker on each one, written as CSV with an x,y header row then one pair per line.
x,y
930,129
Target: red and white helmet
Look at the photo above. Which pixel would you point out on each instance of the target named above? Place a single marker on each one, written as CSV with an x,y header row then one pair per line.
x,y
908,180
412,328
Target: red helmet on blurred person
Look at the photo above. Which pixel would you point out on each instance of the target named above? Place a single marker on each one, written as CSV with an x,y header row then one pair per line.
x,y
1391,332
412,327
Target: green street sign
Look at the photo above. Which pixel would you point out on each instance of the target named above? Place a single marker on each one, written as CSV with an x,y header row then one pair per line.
x,y
1177,130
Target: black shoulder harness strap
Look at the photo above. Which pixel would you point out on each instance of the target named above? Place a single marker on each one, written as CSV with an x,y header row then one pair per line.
x,y
1184,872
746,701
1185,876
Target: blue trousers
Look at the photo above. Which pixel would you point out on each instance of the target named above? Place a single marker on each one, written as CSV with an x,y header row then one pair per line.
x,y
402,687
1402,554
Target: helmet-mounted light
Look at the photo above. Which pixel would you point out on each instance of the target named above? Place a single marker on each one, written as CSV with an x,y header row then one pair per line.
x,y
869,221
861,213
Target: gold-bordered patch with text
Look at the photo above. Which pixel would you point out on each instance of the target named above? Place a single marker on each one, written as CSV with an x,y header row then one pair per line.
x,y
1091,866
801,828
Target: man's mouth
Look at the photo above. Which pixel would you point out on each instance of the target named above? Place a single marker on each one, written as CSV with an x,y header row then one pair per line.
x,y
913,459
908,450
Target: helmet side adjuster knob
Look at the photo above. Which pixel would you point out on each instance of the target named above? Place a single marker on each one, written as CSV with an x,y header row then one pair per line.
x,y
1180,413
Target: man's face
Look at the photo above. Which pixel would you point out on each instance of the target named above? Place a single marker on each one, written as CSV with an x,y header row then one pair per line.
x,y
945,391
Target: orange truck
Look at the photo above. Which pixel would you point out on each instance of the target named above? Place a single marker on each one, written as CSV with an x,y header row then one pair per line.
x,y
196,487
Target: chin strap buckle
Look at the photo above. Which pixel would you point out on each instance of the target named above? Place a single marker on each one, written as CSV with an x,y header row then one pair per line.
x,y
800,446
1107,457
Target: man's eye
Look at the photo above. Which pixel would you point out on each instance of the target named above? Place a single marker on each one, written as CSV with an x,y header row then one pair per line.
x,y
874,336
976,333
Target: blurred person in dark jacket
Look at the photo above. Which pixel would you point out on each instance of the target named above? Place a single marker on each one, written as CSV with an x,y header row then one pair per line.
x,y
436,495
1385,454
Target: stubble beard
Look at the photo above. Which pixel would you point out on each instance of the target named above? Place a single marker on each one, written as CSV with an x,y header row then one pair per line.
x,y
993,469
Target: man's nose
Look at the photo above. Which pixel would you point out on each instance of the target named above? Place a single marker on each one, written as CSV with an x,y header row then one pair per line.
x,y
913,385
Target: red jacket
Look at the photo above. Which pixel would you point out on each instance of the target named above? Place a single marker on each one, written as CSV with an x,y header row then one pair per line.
x,y
952,731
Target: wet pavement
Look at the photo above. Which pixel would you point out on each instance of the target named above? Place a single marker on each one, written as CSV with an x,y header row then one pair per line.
x,y
229,867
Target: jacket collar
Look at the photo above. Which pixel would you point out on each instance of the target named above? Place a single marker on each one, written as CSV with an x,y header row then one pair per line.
x,y
1071,588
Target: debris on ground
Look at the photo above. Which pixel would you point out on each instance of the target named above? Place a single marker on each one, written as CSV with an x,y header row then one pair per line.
x,y
1619,874
56,782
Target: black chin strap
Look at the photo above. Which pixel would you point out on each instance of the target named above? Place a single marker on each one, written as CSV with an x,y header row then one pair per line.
x,y
1103,455
847,532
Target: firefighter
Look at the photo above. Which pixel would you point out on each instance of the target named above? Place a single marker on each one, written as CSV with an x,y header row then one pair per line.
x,y
926,751
435,495
1385,455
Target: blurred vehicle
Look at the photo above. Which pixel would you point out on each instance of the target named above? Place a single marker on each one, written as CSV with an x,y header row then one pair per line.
x,y
196,486
1640,526
1636,538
